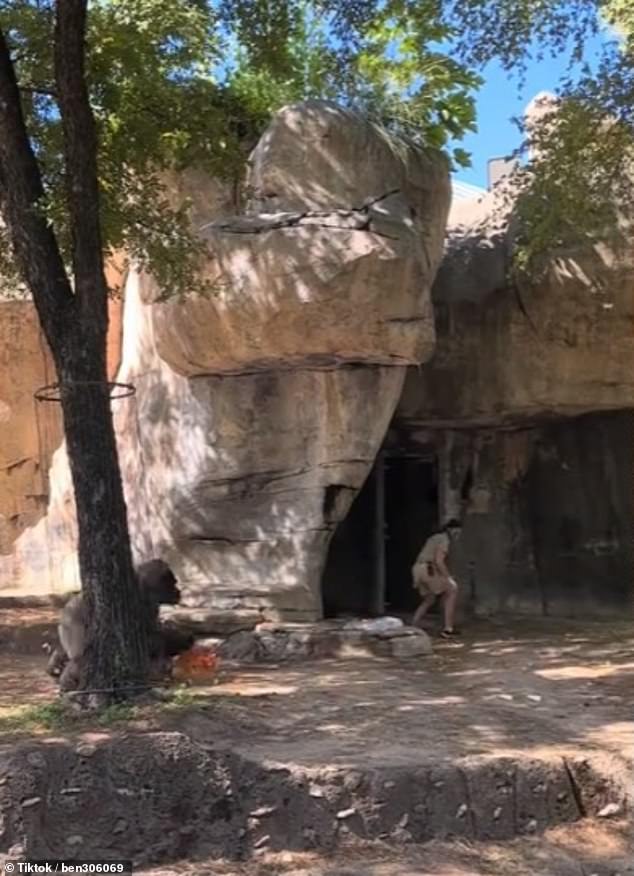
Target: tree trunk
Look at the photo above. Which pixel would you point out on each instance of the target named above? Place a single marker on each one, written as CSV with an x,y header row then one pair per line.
x,y
115,663
75,323
117,650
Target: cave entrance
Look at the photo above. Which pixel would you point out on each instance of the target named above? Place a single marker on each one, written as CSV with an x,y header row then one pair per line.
x,y
370,556
411,515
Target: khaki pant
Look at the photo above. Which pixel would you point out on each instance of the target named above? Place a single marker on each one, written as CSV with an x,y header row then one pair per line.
x,y
428,581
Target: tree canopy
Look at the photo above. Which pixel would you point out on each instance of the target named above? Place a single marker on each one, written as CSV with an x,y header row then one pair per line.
x,y
579,186
187,82
193,82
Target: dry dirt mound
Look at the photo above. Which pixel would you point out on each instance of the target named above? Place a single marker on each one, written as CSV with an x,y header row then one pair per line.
x,y
574,850
160,796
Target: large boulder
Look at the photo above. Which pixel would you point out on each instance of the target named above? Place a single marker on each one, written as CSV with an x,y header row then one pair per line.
x,y
331,263
239,480
260,409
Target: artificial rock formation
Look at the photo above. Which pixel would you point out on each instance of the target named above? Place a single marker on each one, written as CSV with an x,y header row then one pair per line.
x,y
330,265
527,407
31,430
547,511
25,365
36,549
260,409
561,345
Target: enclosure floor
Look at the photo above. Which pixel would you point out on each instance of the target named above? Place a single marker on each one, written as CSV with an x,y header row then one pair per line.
x,y
538,689
535,688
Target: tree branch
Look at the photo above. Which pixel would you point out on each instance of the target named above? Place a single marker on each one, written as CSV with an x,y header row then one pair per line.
x,y
80,151
21,198
38,90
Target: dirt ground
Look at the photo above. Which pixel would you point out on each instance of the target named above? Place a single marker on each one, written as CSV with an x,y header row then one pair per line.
x,y
588,849
539,689
528,688
503,690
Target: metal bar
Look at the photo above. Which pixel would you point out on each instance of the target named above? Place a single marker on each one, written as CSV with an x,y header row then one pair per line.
x,y
378,595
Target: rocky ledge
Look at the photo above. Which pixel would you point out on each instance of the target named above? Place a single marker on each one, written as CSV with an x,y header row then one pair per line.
x,y
279,642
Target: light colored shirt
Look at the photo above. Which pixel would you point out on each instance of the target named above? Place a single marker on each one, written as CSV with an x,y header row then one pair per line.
x,y
428,553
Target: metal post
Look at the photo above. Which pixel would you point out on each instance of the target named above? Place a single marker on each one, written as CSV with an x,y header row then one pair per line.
x,y
378,595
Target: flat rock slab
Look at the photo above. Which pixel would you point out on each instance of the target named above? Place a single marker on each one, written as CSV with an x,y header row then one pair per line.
x,y
279,642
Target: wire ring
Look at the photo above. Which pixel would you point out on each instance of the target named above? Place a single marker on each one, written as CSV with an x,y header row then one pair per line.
x,y
116,391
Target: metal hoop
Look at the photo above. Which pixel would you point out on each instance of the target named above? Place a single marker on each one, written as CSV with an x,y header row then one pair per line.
x,y
116,391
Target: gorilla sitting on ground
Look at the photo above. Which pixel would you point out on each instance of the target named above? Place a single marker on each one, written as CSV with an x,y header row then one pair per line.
x,y
158,587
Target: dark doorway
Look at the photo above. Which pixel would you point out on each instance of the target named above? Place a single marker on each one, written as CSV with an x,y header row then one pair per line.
x,y
372,551
411,515
348,581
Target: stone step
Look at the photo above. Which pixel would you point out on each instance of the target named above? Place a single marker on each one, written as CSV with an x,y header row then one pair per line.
x,y
280,642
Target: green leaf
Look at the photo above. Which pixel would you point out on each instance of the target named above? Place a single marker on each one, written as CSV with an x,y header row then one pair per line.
x,y
177,83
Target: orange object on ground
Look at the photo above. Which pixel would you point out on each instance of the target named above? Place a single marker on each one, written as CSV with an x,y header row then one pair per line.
x,y
197,664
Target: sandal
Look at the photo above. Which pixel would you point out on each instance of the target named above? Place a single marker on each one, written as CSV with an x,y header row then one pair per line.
x,y
449,634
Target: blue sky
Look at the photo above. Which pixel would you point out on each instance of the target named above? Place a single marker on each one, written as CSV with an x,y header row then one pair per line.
x,y
501,98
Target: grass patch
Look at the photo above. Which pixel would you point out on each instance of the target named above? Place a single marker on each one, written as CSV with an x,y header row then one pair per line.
x,y
117,713
182,697
30,719
59,716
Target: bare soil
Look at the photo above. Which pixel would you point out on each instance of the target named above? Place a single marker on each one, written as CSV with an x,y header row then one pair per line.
x,y
494,756
26,630
512,689
584,849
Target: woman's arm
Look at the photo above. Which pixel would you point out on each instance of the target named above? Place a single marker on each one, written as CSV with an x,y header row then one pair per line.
x,y
440,560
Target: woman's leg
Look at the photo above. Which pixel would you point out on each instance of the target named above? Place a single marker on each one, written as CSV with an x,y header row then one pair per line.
x,y
423,608
450,598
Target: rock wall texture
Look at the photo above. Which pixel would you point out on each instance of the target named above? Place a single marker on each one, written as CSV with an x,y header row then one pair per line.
x,y
260,409
30,435
528,402
548,513
562,345
26,444
331,264
239,480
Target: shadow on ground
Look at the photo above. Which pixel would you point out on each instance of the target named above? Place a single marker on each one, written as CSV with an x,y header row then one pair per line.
x,y
507,694
515,689
534,688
